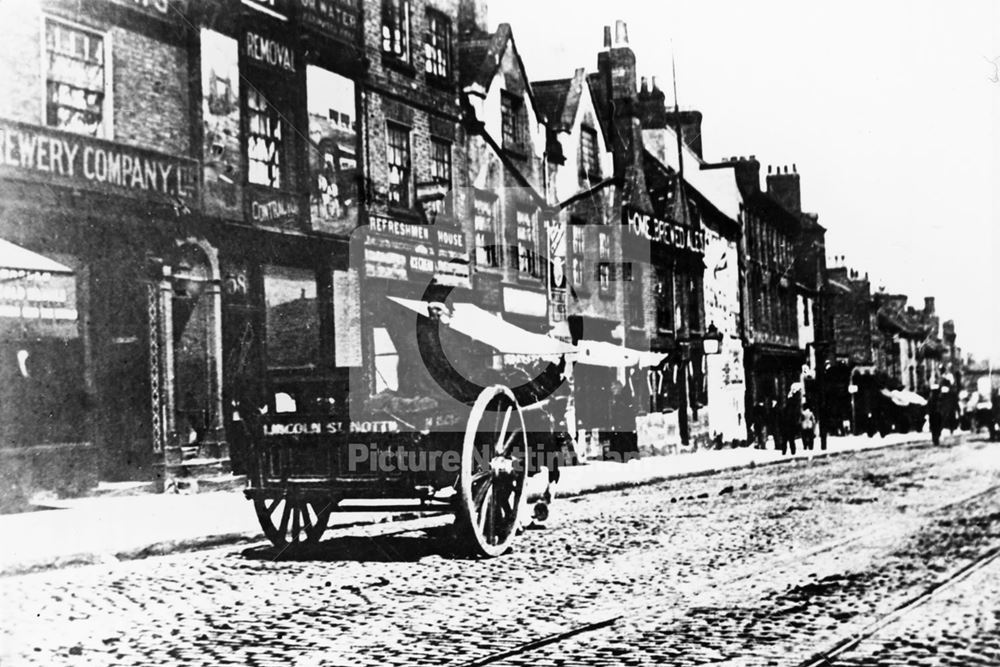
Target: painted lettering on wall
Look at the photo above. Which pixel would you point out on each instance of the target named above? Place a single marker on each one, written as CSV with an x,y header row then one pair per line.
x,y
666,232
269,51
275,210
337,18
40,151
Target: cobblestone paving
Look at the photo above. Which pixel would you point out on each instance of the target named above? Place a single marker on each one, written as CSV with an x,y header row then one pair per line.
x,y
759,566
960,627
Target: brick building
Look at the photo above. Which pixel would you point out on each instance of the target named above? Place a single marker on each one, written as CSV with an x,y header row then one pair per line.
x,y
715,204
773,356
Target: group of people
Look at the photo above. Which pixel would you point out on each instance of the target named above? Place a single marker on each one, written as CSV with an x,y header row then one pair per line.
x,y
786,420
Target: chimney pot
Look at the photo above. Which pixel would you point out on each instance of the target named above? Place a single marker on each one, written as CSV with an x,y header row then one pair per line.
x,y
655,87
621,33
769,169
645,85
794,169
607,37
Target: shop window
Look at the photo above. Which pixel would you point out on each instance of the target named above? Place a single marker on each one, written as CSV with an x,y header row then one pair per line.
x,y
512,121
386,361
526,235
398,158
76,80
264,140
441,177
292,317
437,46
487,250
590,164
396,30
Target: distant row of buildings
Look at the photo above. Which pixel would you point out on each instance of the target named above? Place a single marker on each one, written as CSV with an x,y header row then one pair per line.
x,y
207,197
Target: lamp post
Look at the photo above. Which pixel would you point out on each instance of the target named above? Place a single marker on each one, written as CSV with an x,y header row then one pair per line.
x,y
711,341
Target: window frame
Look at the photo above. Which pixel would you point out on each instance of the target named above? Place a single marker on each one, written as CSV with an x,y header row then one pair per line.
x,y
512,113
403,13
106,128
405,185
436,55
487,253
254,89
590,162
443,205
527,244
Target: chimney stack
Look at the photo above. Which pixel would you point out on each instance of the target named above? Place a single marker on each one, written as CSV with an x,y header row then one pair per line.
x,y
785,188
617,67
472,18
621,33
747,175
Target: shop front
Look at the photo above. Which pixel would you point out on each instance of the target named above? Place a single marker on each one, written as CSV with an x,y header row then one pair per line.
x,y
43,401
113,214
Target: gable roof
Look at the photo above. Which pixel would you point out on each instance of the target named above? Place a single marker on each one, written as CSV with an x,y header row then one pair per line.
x,y
559,100
717,186
482,58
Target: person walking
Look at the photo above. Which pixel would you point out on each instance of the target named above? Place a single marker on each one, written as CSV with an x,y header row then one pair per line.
x,y
791,417
807,423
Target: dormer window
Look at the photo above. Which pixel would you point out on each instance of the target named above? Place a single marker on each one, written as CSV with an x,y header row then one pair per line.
x,y
513,121
590,165
396,30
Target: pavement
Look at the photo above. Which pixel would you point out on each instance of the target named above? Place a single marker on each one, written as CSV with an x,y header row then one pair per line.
x,y
107,529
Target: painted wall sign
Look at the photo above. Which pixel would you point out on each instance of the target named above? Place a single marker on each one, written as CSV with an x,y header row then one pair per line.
x,y
276,8
338,19
268,51
405,250
270,208
666,232
170,9
43,154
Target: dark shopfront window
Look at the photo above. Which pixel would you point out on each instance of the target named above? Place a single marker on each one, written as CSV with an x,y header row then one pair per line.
x,y
41,359
292,317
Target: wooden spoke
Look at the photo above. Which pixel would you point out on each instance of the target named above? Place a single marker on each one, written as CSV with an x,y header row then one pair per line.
x,y
298,521
490,487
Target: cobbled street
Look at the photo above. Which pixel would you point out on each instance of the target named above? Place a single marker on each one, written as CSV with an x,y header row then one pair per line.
x,y
773,565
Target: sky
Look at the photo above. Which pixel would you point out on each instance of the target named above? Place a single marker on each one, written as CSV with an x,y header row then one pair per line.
x,y
889,109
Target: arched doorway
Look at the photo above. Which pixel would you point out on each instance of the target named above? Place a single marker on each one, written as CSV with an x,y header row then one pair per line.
x,y
188,395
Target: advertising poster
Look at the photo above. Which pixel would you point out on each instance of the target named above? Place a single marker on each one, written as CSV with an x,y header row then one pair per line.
x,y
221,118
333,160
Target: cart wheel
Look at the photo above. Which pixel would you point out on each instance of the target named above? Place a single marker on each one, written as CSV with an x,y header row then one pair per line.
x,y
494,473
288,521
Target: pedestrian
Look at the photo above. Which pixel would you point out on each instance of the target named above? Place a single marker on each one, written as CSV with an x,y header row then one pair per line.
x,y
623,445
808,425
791,417
758,419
